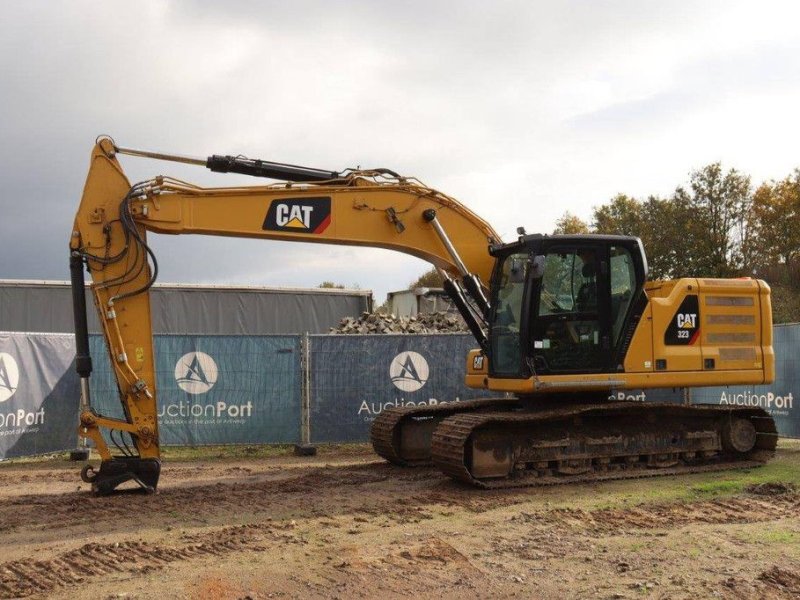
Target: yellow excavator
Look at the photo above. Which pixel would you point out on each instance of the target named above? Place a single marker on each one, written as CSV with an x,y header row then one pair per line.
x,y
565,325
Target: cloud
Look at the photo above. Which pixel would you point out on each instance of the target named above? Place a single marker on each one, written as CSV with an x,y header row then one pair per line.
x,y
522,110
701,85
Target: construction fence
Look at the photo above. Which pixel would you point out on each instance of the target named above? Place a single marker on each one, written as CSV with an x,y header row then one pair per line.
x,y
270,389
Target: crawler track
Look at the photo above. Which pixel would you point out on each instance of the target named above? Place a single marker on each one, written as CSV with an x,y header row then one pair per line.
x,y
595,442
387,429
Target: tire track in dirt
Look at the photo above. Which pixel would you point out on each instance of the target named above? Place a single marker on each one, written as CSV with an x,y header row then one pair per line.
x,y
36,476
738,509
24,578
39,511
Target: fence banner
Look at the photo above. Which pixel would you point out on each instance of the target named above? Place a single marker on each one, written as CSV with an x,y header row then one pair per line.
x,y
39,394
226,389
667,395
217,389
353,378
779,399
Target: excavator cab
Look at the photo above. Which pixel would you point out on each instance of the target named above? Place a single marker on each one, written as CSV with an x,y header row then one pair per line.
x,y
562,304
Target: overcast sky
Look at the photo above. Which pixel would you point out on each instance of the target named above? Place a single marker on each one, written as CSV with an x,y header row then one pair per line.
x,y
521,110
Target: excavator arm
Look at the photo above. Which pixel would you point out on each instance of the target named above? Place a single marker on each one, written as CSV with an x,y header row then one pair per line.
x,y
374,208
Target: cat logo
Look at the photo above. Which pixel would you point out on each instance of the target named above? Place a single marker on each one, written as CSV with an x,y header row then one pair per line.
x,y
409,371
684,328
9,376
299,215
477,363
196,372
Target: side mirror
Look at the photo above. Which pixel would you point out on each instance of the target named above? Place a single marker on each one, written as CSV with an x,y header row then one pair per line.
x,y
537,266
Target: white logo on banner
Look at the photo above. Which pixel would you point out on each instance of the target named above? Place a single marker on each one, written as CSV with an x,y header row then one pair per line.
x,y
196,372
9,376
409,371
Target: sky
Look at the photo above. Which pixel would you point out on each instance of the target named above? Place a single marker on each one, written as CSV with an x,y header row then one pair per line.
x,y
521,110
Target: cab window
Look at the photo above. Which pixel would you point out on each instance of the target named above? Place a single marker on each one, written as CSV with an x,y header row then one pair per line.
x,y
623,283
566,334
508,315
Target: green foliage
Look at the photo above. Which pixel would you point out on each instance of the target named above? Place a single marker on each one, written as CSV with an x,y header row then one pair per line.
x,y
784,280
776,211
331,285
623,215
668,235
429,279
657,222
720,487
721,205
569,224
770,535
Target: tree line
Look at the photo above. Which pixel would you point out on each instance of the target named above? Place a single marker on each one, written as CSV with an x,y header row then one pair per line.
x,y
717,225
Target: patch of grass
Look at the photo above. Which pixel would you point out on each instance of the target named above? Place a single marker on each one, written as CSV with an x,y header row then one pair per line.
x,y
637,546
186,453
779,537
784,468
730,483
769,535
725,487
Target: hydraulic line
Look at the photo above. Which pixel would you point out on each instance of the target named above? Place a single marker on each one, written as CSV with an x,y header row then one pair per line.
x,y
471,282
243,166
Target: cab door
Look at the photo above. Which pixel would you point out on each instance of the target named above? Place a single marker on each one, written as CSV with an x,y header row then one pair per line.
x,y
570,326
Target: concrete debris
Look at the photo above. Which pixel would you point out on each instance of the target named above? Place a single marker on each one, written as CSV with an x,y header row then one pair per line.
x,y
371,323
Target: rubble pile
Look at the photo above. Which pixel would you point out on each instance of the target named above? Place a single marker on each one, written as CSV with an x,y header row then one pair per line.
x,y
438,322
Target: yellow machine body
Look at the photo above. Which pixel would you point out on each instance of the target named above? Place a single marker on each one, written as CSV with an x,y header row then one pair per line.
x,y
726,337
732,343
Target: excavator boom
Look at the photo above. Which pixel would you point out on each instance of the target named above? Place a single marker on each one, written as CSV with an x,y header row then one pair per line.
x,y
374,208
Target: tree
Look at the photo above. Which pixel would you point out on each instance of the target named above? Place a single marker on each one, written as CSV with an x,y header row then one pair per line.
x,y
429,279
663,228
658,222
621,216
776,211
331,285
673,238
720,203
570,224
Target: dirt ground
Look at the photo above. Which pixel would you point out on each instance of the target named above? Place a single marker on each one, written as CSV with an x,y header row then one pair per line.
x,y
344,524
